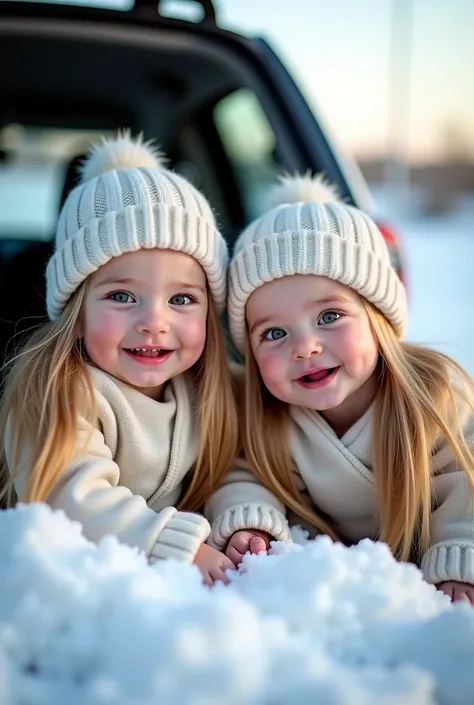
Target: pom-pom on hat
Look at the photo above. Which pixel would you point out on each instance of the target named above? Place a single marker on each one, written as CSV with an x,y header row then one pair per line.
x,y
312,232
127,200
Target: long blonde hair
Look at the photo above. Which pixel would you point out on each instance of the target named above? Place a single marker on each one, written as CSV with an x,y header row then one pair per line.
x,y
418,401
265,430
48,386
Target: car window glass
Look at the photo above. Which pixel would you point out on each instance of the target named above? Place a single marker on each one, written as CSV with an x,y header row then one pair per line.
x,y
249,142
33,163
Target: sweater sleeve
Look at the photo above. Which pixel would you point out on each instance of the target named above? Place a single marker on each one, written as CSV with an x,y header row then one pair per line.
x,y
451,555
241,502
89,492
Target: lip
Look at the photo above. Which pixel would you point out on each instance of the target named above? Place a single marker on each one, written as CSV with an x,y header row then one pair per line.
x,y
153,361
320,382
313,371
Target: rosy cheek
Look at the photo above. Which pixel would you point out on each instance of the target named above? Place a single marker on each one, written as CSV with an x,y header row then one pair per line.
x,y
193,331
100,330
271,368
346,340
357,349
370,358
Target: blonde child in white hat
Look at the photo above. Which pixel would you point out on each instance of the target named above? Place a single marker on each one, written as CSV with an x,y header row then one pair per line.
x,y
349,428
120,410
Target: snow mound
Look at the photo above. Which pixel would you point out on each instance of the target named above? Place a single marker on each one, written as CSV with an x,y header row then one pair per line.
x,y
314,622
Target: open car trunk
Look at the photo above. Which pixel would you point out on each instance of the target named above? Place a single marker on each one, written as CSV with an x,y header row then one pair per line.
x,y
221,106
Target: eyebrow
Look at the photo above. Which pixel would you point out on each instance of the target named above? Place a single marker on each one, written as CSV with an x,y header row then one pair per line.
x,y
261,322
117,280
338,298
187,285
316,302
126,281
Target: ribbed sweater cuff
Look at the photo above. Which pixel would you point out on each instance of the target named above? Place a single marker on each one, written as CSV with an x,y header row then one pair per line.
x,y
248,516
449,561
181,537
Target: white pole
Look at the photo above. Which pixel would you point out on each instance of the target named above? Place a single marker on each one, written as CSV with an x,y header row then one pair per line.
x,y
397,171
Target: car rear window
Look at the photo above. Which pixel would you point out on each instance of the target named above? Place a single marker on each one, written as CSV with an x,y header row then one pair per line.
x,y
33,164
105,4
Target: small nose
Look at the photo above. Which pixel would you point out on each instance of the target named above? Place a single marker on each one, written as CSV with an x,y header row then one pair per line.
x,y
306,346
154,320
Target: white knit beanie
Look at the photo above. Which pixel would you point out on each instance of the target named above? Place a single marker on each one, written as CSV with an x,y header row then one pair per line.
x,y
313,233
128,201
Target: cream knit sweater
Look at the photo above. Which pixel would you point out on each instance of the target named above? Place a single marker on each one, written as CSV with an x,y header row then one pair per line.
x,y
335,473
130,475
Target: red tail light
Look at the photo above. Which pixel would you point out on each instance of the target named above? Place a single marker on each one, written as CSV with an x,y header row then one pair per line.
x,y
393,244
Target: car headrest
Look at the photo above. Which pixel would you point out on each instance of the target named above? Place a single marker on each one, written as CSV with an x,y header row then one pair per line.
x,y
71,178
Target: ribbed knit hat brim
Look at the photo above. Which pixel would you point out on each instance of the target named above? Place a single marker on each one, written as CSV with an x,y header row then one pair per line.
x,y
328,239
127,202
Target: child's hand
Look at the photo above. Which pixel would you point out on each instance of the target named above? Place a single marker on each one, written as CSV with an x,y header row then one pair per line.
x,y
212,564
458,592
249,540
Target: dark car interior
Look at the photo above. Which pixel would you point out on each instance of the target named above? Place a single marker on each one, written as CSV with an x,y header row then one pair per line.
x,y
200,92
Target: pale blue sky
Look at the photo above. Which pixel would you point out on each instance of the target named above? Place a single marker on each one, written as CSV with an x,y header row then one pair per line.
x,y
339,53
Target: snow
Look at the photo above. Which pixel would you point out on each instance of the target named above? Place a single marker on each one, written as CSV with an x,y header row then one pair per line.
x,y
314,622
439,255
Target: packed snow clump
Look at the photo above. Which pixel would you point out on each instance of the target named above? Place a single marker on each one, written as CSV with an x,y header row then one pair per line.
x,y
314,622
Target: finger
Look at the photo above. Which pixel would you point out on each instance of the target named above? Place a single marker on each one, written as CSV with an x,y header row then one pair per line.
x,y
227,564
217,574
234,555
241,541
257,544
207,579
447,588
460,595
264,536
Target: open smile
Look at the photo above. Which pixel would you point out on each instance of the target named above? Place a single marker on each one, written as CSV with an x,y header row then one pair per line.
x,y
149,356
318,377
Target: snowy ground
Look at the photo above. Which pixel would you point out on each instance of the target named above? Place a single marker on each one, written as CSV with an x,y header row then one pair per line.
x,y
314,624
439,254
317,624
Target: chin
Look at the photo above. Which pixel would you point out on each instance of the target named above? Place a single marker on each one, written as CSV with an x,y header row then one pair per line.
x,y
152,382
139,382
328,404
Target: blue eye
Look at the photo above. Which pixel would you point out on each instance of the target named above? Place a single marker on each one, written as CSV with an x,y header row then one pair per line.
x,y
274,334
328,317
121,297
182,300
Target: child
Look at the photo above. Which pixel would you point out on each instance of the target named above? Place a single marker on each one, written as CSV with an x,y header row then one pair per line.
x,y
358,433
121,407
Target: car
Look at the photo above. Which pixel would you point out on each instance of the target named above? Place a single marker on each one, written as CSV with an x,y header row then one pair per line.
x,y
222,106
